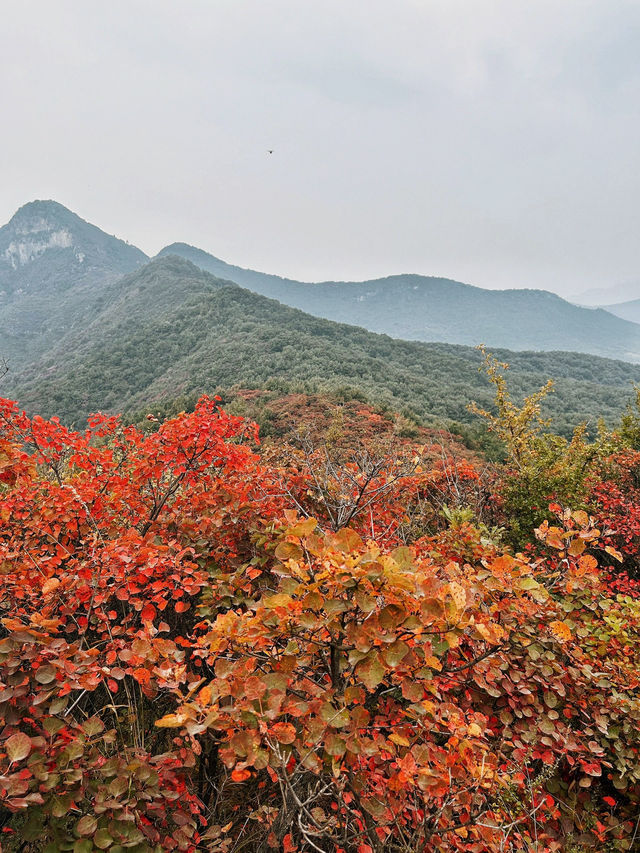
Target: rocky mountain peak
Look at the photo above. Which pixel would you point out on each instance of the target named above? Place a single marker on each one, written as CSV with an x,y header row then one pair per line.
x,y
44,228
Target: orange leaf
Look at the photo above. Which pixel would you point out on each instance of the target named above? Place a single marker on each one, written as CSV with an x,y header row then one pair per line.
x,y
49,585
240,775
561,631
284,732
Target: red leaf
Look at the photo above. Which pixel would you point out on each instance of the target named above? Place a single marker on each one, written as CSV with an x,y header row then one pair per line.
x,y
148,613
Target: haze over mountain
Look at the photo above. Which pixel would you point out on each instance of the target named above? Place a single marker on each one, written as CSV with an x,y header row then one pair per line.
x,y
602,297
414,307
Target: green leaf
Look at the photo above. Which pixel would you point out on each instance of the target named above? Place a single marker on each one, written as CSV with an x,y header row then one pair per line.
x,y
338,718
45,674
395,653
335,745
546,725
52,725
93,726
58,705
102,839
118,786
61,805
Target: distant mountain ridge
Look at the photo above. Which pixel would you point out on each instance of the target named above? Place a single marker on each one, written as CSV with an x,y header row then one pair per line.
x,y
423,308
625,291
626,310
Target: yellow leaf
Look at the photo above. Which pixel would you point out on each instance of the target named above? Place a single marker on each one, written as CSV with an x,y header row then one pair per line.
x,y
615,554
288,551
399,740
171,721
458,595
580,517
303,528
561,631
577,547
279,600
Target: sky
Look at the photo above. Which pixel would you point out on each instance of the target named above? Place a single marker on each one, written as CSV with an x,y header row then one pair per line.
x,y
491,141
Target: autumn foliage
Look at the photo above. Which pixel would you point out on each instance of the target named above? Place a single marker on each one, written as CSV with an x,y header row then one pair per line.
x,y
209,648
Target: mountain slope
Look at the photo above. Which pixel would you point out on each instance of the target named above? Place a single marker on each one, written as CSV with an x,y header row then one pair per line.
x,y
423,308
171,329
53,266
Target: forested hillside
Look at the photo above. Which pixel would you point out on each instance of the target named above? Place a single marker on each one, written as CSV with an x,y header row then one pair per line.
x,y
55,270
171,329
424,308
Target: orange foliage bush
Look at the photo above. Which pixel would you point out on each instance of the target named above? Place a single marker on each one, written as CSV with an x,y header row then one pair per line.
x,y
190,661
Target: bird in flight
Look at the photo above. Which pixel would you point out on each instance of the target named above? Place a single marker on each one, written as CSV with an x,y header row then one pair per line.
x,y
270,150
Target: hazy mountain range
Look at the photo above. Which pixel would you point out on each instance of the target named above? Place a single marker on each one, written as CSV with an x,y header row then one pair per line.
x,y
88,322
625,291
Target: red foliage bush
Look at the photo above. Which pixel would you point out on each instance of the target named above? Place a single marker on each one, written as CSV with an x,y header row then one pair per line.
x,y
189,662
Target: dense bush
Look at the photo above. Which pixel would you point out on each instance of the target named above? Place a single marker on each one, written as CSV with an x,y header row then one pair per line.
x,y
206,649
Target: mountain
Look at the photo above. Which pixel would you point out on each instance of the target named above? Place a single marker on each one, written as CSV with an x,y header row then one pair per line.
x,y
603,296
171,329
87,323
422,308
53,267
626,310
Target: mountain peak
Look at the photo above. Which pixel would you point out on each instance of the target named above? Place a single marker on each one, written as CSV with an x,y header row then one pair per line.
x,y
40,207
40,216
42,226
185,250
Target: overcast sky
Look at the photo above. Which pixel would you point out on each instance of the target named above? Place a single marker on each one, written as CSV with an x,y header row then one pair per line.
x,y
493,142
